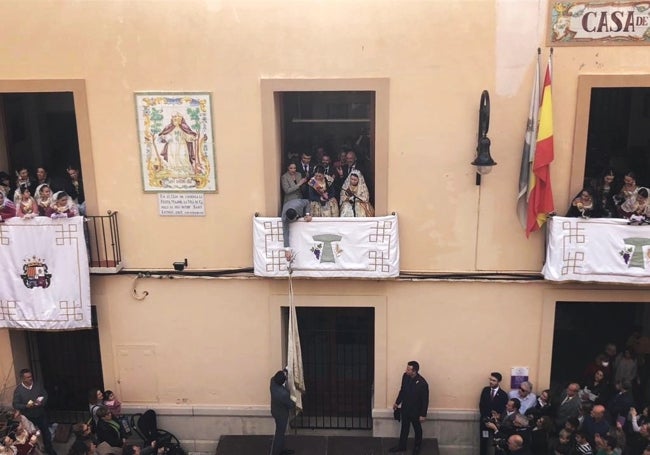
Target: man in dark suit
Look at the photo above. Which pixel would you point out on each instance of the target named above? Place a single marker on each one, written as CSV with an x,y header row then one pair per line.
x,y
306,169
281,404
569,405
413,398
493,400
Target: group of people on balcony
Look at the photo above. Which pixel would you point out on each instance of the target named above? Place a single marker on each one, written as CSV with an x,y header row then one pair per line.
x,y
606,198
27,197
333,188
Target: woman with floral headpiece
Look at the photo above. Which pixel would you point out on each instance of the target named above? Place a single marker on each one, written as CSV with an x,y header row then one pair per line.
x,y
321,194
62,207
355,197
43,198
26,206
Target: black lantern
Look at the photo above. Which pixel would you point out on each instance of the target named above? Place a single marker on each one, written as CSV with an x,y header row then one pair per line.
x,y
483,161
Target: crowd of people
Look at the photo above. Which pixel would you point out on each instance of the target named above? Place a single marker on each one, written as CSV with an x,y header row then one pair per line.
x,y
333,188
26,430
27,196
605,412
607,197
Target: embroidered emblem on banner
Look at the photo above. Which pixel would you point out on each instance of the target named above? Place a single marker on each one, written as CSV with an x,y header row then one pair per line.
x,y
35,273
326,250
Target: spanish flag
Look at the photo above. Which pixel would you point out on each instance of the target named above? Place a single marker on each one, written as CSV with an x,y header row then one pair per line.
x,y
540,199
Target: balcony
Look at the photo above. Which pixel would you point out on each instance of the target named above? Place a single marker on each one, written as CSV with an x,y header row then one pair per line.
x,y
103,238
604,250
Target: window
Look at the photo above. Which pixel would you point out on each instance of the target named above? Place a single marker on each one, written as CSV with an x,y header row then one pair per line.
x,y
303,114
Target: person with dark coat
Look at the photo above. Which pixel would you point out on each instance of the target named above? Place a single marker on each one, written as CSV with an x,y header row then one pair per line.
x,y
413,401
493,400
30,398
281,404
109,430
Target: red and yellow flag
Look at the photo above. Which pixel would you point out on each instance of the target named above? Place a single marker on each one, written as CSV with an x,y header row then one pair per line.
x,y
540,199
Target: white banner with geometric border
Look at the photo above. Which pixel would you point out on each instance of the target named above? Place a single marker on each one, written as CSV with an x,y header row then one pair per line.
x,y
599,250
329,247
45,281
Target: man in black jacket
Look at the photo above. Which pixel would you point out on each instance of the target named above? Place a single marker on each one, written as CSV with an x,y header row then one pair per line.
x,y
281,404
493,400
414,400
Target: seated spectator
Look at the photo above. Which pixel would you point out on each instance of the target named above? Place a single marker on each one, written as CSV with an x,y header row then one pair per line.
x,y
620,404
563,445
582,446
23,178
604,192
637,208
355,198
595,423
321,195
540,435
597,390
43,198
26,206
82,447
569,405
542,406
584,205
607,446
7,208
25,443
63,206
5,183
525,396
108,429
627,191
112,403
75,188
291,182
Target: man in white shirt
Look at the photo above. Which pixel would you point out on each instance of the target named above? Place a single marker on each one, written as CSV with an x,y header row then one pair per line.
x,y
525,395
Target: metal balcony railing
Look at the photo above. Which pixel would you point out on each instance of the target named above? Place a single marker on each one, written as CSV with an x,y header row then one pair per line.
x,y
103,237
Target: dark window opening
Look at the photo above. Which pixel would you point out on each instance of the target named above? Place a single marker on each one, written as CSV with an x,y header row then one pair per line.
x,y
583,329
329,122
39,129
618,135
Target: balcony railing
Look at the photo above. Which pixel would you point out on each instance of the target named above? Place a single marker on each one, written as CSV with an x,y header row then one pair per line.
x,y
103,237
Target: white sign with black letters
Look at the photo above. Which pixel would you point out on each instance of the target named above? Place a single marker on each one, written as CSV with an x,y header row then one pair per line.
x,y
181,204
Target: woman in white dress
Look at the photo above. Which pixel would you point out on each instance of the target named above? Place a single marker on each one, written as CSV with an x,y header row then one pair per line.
x,y
355,197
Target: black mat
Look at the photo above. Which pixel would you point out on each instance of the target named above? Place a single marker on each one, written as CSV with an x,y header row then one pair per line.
x,y
318,445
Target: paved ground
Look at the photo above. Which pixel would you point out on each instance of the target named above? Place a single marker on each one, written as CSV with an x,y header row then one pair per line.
x,y
318,445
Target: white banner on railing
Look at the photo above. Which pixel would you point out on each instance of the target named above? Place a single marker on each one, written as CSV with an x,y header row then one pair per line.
x,y
329,247
45,283
598,249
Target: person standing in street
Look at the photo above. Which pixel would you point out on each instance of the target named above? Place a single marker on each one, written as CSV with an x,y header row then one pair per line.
x,y
30,398
413,401
281,404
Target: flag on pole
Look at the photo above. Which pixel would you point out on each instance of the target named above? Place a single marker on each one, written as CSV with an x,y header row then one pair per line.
x,y
295,375
540,199
528,154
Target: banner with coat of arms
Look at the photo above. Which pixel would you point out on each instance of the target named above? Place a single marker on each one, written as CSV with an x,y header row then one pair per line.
x,y
600,249
328,247
45,281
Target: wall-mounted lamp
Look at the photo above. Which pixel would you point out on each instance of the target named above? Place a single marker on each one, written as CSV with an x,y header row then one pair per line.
x,y
180,266
483,161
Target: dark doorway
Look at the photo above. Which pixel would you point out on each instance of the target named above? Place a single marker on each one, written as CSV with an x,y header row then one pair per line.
x,y
582,329
618,137
338,360
40,130
331,122
69,364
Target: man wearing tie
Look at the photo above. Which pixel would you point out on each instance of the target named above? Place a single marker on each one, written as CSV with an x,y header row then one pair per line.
x,y
493,400
306,168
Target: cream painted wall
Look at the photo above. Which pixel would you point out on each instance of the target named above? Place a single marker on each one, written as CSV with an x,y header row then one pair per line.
x,y
227,332
438,57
